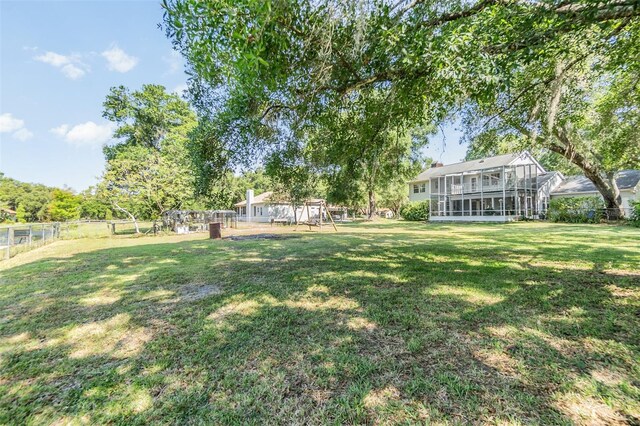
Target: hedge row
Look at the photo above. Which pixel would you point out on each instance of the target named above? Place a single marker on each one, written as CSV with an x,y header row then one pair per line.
x,y
635,213
416,211
576,210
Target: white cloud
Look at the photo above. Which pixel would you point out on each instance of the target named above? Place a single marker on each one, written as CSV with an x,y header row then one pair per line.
x,y
174,60
70,65
23,134
118,60
8,123
60,130
85,134
15,126
53,58
73,72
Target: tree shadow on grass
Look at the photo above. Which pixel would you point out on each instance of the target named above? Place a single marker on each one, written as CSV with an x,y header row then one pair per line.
x,y
350,328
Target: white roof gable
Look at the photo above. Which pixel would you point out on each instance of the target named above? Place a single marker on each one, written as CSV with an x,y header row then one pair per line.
x,y
480,164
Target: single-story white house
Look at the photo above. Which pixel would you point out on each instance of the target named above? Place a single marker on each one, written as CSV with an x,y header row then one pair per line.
x,y
266,207
502,188
628,182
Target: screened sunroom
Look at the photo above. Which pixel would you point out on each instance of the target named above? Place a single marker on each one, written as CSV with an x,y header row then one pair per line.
x,y
493,189
499,193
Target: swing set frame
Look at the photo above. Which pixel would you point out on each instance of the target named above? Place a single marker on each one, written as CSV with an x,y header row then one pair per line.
x,y
322,204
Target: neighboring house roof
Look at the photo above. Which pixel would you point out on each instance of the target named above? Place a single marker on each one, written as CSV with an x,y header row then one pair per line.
x,y
9,211
468,166
258,199
626,179
546,177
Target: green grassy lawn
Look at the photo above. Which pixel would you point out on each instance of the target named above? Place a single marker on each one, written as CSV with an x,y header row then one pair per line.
x,y
381,323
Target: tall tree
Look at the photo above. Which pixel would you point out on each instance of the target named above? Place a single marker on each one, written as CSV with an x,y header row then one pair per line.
x,y
148,170
588,113
260,65
362,146
64,206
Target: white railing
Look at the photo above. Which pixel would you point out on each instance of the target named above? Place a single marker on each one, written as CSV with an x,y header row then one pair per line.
x,y
473,188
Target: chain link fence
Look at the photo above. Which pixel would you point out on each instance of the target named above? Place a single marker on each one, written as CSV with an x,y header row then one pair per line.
x,y
18,238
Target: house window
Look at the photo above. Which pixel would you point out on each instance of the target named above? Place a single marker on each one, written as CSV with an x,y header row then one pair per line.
x,y
423,187
474,184
415,188
456,180
491,179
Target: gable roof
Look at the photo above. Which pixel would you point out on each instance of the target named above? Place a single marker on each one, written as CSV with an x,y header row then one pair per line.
x,y
262,198
468,166
546,177
626,179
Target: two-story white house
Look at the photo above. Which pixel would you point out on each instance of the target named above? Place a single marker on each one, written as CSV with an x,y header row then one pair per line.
x,y
495,189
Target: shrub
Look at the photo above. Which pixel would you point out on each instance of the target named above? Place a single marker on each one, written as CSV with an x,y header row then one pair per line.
x,y
416,211
635,213
576,210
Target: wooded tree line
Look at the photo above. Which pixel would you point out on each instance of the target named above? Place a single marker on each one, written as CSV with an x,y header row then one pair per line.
x,y
164,157
341,88
40,203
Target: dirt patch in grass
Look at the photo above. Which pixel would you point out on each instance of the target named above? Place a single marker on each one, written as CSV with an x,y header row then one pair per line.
x,y
196,291
261,237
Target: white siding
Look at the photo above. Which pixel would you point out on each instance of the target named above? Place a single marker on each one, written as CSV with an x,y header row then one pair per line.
x,y
420,195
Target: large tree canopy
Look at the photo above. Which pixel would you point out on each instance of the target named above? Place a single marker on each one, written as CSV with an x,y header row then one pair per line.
x,y
148,170
263,70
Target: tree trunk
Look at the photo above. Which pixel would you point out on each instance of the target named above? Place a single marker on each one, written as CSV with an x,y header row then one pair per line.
x,y
605,184
372,204
135,222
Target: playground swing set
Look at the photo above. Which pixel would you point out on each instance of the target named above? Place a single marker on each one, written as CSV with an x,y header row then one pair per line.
x,y
316,222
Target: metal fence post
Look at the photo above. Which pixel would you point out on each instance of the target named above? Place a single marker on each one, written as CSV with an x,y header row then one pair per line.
x,y
8,250
10,240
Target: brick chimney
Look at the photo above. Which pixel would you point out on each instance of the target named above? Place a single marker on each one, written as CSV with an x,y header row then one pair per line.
x,y
436,164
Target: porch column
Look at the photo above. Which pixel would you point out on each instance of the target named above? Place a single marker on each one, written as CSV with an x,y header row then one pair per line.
x,y
516,198
481,194
443,182
462,192
504,192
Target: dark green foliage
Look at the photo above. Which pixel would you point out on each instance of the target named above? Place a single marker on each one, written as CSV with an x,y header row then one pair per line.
x,y
556,75
145,117
29,200
94,208
148,170
40,203
416,211
635,213
576,210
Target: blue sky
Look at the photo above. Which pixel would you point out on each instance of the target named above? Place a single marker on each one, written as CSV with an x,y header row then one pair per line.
x,y
58,60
